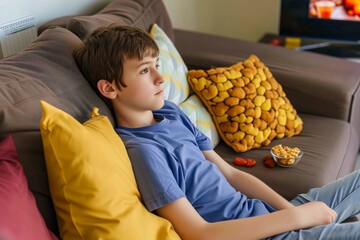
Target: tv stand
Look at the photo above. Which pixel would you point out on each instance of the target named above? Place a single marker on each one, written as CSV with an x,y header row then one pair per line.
x,y
338,50
342,50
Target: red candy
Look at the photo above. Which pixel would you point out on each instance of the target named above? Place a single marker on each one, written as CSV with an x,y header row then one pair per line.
x,y
244,162
250,162
239,161
269,162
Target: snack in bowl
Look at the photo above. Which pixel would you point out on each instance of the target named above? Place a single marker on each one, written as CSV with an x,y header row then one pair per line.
x,y
286,156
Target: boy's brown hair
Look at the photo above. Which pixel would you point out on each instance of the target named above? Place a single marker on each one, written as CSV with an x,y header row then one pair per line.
x,y
103,52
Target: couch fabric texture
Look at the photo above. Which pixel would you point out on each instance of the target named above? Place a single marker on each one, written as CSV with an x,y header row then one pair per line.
x,y
324,91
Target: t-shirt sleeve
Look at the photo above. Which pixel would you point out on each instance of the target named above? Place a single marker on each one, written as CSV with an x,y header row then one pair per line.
x,y
202,140
156,182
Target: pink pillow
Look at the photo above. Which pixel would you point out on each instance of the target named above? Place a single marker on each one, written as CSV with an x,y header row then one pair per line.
x,y
19,215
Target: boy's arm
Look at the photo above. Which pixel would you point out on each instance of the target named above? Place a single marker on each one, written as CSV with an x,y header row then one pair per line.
x,y
247,184
190,225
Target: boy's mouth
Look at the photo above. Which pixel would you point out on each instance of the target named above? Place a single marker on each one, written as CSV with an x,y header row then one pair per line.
x,y
160,92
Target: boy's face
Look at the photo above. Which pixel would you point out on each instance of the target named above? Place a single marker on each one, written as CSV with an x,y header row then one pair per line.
x,y
144,82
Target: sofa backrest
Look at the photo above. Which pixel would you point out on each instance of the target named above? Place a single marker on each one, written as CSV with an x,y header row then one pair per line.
x,y
45,70
141,13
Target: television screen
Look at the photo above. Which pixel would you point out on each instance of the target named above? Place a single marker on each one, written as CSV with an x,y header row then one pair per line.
x,y
331,20
343,10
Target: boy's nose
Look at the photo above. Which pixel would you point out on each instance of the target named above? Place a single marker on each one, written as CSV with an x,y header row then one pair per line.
x,y
159,79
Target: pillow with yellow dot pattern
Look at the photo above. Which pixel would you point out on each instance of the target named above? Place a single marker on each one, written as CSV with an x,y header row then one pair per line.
x,y
247,104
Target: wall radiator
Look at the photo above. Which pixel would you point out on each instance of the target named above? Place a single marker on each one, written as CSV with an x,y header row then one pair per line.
x,y
16,35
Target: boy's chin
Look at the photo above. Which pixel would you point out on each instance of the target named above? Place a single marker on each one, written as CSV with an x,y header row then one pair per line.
x,y
159,105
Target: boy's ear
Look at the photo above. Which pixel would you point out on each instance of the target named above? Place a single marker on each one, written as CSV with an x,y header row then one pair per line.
x,y
107,89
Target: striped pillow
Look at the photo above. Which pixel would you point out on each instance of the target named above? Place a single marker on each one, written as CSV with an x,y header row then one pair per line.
x,y
172,67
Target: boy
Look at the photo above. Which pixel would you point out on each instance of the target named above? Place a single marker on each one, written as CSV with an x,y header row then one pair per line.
x,y
179,176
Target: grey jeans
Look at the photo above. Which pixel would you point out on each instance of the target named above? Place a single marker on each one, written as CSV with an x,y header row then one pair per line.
x,y
342,195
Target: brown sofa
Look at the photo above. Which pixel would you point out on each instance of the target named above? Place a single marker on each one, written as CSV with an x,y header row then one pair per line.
x,y
324,90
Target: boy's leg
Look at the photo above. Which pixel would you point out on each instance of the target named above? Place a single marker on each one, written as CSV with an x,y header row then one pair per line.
x,y
343,196
335,231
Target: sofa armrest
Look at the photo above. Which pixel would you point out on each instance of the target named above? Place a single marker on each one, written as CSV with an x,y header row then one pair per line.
x,y
314,83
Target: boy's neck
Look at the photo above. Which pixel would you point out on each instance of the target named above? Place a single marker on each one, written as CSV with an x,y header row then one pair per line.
x,y
135,120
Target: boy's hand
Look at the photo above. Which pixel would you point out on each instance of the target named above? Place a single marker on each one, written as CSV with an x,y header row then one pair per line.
x,y
315,213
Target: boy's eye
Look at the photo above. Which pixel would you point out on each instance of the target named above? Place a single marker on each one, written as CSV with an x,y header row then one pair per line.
x,y
157,65
144,71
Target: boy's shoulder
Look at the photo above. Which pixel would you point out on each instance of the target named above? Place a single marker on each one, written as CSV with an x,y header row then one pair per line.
x,y
172,112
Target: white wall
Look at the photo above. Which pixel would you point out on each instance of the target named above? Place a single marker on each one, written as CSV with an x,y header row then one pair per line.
x,y
45,10
245,19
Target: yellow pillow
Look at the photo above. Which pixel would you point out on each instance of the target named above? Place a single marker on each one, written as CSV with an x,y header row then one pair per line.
x,y
248,106
92,183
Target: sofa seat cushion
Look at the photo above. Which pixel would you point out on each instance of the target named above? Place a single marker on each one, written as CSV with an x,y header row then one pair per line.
x,y
330,147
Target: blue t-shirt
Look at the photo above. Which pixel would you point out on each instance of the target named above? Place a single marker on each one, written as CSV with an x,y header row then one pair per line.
x,y
168,165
